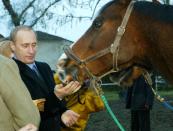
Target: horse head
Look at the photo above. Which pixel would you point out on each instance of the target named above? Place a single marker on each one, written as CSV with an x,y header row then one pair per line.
x,y
100,36
96,53
68,71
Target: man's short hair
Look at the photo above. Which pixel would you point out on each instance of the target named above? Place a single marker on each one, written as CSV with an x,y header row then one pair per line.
x,y
19,28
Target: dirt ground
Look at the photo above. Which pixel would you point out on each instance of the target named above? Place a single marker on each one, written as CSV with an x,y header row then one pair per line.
x,y
161,118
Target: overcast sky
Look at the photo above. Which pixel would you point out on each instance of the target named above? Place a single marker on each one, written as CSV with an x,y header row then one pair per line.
x,y
71,31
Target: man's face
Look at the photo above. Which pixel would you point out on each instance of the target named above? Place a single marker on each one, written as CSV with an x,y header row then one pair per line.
x,y
25,46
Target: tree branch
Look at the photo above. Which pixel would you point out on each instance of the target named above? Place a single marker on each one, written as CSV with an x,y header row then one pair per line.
x,y
43,13
14,16
95,8
77,17
26,8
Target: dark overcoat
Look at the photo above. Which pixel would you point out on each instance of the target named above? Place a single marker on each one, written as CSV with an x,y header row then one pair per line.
x,y
42,87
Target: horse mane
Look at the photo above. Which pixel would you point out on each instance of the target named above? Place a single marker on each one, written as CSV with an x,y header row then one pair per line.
x,y
106,6
156,11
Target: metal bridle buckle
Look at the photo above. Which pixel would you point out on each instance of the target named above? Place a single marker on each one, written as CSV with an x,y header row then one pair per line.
x,y
120,30
112,49
98,82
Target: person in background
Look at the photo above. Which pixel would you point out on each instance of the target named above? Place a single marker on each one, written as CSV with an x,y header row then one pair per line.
x,y
16,106
38,78
84,101
5,48
140,101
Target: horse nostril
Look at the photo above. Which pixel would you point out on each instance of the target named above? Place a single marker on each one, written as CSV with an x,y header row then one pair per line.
x,y
61,75
67,79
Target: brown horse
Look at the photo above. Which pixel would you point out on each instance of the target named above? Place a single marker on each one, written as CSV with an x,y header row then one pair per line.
x,y
146,42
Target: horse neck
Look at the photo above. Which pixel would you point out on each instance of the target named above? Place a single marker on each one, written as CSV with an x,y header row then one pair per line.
x,y
161,60
158,42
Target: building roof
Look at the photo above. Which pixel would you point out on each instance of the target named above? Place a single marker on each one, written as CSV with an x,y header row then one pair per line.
x,y
46,36
1,36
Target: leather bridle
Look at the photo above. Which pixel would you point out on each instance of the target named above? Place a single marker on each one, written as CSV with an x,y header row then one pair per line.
x,y
113,49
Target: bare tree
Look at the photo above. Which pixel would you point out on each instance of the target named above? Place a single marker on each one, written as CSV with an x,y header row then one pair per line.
x,y
19,18
30,12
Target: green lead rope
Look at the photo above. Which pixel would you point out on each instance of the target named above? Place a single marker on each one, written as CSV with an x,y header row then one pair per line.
x,y
111,113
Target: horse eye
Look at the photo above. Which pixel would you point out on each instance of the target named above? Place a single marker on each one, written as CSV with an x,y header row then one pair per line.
x,y
97,23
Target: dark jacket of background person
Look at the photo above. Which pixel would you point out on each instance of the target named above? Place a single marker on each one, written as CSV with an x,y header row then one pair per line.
x,y
43,88
16,106
139,95
140,100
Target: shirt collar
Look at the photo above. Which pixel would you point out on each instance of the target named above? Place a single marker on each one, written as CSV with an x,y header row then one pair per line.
x,y
29,65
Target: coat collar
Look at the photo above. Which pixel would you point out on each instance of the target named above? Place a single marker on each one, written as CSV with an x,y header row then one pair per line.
x,y
27,71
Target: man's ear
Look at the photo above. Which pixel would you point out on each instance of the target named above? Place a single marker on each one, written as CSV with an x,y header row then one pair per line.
x,y
12,46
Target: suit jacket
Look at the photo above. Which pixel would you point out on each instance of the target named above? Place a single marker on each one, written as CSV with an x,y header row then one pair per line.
x,y
43,88
139,95
16,106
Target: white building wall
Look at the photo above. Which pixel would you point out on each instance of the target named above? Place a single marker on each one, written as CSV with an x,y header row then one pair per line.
x,y
50,51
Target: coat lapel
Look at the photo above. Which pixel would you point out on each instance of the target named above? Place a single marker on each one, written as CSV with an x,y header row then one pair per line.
x,y
44,73
25,70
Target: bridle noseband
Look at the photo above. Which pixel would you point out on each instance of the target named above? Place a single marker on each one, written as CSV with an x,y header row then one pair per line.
x,y
113,49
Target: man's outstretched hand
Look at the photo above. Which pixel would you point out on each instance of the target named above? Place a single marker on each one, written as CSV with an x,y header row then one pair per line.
x,y
69,89
69,117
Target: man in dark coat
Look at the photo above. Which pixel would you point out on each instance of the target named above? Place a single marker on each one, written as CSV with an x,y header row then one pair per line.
x,y
140,100
38,78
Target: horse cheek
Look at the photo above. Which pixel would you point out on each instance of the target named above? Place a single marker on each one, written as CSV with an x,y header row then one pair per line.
x,y
125,54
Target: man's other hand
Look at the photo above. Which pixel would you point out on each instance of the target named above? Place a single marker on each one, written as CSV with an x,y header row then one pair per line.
x,y
69,117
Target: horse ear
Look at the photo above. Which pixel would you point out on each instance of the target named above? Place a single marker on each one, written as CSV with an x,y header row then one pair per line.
x,y
125,2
